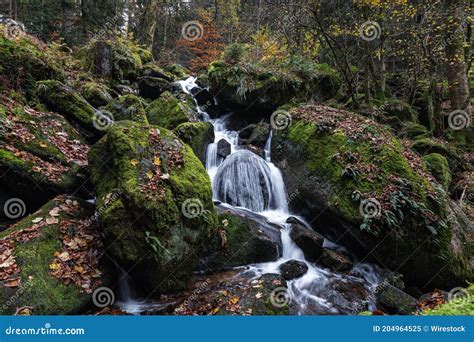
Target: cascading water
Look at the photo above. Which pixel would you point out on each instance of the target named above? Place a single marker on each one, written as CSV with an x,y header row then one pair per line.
x,y
246,180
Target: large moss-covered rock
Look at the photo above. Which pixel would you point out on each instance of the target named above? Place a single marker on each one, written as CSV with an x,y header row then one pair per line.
x,y
400,110
96,94
156,228
64,100
41,155
177,70
116,60
267,88
24,61
170,111
197,135
355,177
152,87
128,107
50,260
439,168
241,240
427,146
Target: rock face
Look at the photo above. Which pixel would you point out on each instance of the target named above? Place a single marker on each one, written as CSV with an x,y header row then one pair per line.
x,y
67,102
339,161
293,269
164,212
336,261
41,156
241,241
223,148
128,107
308,240
268,89
170,111
50,260
96,94
197,135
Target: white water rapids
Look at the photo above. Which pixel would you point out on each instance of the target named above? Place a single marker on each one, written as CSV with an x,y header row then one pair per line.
x,y
244,180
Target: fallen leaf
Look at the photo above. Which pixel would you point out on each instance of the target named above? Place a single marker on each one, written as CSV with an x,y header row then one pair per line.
x,y
43,144
134,162
9,262
13,282
64,256
165,176
149,174
52,220
258,295
37,220
234,300
157,161
54,266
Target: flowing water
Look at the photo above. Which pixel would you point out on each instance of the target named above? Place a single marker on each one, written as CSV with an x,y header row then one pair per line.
x,y
244,180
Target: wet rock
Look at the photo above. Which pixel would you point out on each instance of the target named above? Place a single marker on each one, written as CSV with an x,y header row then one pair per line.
x,y
394,301
206,101
128,107
336,261
241,240
347,296
123,89
223,148
170,111
152,87
197,135
293,269
308,240
255,135
152,70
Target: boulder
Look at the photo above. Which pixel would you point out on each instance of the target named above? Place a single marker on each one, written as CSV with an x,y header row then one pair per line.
x,y
293,269
206,101
165,212
254,135
128,107
394,301
439,168
336,261
153,70
223,148
24,61
41,156
427,146
308,240
400,110
177,70
64,100
241,240
170,111
152,87
51,260
340,162
96,94
197,135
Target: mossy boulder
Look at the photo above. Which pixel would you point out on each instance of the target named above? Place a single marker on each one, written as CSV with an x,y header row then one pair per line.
x,y
170,111
64,100
355,176
427,146
41,155
153,70
128,107
24,61
413,130
439,168
165,212
50,260
197,135
152,87
96,94
400,110
240,241
177,70
266,88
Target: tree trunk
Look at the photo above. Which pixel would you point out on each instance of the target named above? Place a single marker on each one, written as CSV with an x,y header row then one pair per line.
x,y
148,23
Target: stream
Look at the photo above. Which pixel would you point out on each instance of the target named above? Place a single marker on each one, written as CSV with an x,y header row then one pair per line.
x,y
252,185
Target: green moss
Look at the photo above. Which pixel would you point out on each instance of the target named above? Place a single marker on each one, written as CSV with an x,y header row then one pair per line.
x,y
96,94
146,215
463,306
439,168
168,111
401,110
23,63
39,289
67,102
128,107
179,71
197,135
426,146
